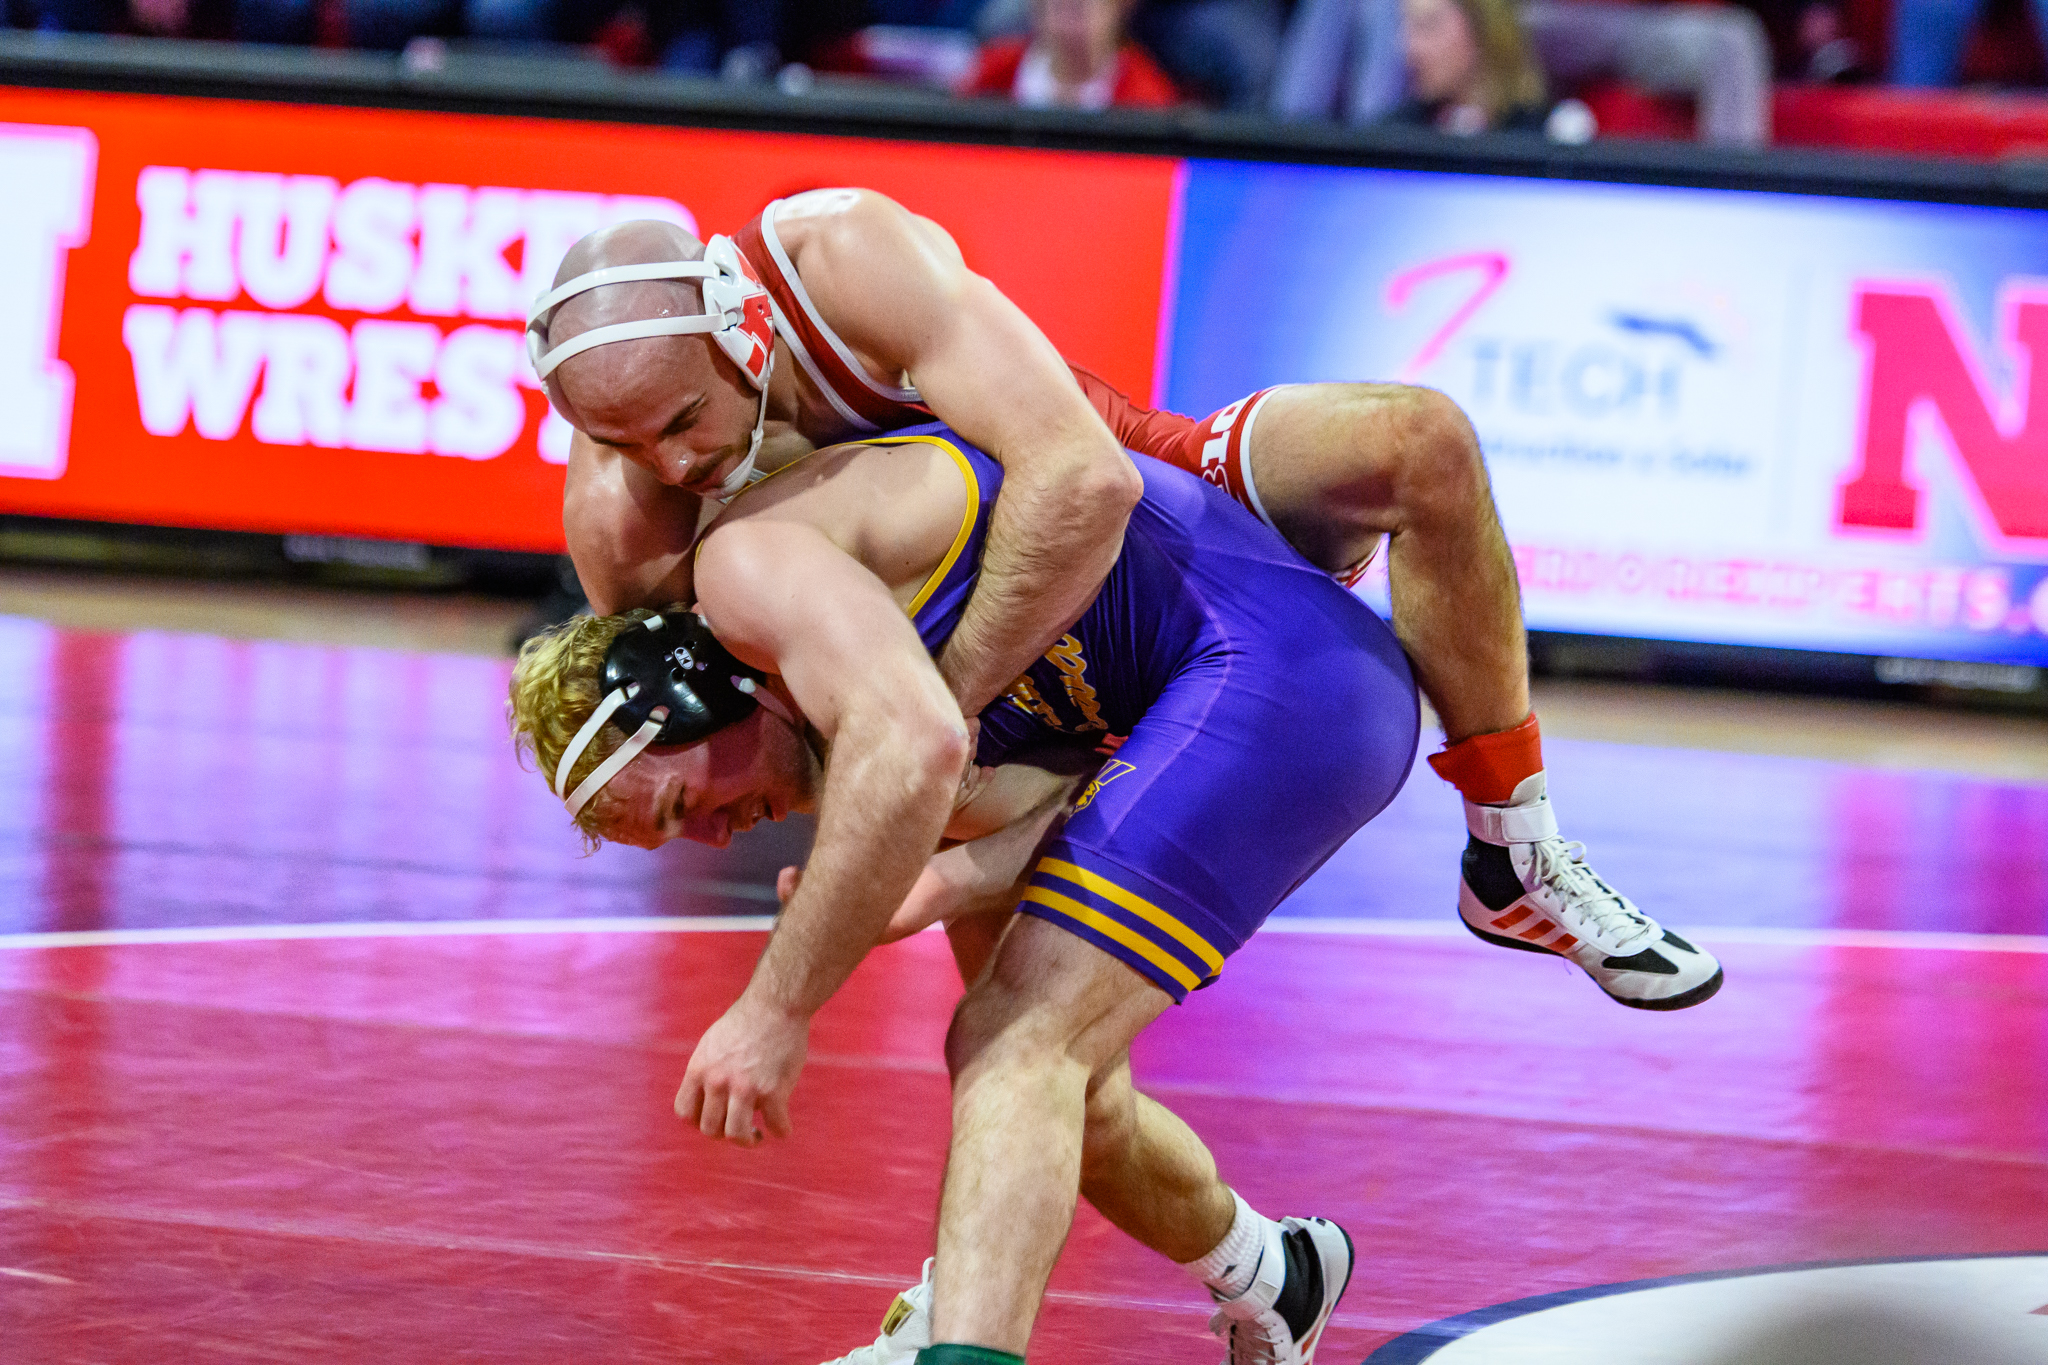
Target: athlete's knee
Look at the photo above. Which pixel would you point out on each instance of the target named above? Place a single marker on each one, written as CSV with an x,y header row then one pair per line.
x,y
997,1029
975,1027
1438,468
1012,1024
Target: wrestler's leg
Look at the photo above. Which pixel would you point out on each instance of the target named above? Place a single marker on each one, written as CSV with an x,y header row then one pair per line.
x,y
1141,1167
973,939
1333,463
1048,1023
1146,1171
1337,465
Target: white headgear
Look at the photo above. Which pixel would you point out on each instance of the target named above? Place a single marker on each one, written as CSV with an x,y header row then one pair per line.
x,y
737,315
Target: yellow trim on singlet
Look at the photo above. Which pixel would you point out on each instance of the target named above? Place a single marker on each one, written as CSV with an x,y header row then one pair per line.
x,y
967,518
1121,933
776,473
1137,905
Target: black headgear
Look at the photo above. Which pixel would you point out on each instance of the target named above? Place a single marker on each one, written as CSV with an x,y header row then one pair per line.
x,y
675,661
670,662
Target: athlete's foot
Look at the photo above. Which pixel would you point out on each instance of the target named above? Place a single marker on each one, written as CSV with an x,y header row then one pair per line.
x,y
906,1329
1524,887
1302,1273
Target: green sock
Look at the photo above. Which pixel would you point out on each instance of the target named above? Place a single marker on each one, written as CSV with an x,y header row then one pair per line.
x,y
966,1355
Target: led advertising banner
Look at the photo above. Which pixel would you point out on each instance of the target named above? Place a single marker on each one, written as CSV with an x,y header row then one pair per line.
x,y
1711,416
273,318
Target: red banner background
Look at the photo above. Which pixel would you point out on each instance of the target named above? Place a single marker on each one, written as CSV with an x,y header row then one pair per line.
x,y
1078,240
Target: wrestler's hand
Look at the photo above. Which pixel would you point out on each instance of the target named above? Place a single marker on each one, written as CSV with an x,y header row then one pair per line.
x,y
749,1060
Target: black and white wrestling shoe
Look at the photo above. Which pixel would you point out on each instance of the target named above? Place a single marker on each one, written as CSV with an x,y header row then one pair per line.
x,y
1526,888
1303,1272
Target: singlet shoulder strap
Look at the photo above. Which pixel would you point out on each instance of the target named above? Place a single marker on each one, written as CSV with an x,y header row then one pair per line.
x,y
968,517
862,401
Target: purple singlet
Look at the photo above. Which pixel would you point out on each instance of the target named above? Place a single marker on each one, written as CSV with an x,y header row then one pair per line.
x,y
1256,715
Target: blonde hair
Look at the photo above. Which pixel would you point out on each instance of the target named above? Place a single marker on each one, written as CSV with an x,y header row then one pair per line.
x,y
556,685
1509,75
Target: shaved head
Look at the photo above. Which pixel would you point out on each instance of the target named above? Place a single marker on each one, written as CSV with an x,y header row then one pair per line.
x,y
617,380
675,405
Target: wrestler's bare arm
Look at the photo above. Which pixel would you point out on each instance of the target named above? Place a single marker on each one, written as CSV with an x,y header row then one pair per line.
x,y
1003,820
629,533
895,288
783,597
1001,830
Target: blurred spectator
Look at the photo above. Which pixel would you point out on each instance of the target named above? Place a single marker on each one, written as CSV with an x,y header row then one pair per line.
x,y
741,39
1928,37
149,18
1810,39
1470,68
1822,47
1076,57
1718,54
1345,60
960,14
734,36
1223,50
370,23
941,59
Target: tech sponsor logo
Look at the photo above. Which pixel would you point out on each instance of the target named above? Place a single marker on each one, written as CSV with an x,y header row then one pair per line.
x,y
49,174
1654,377
1984,1310
374,315
1624,392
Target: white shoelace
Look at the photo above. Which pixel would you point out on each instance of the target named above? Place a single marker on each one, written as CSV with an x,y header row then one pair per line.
x,y
1601,908
1248,1345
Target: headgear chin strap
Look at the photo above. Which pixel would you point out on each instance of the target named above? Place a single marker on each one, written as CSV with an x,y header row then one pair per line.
x,y
673,681
736,315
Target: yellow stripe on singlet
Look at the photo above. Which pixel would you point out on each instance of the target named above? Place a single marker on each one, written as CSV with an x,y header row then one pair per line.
x,y
1121,933
967,518
1137,905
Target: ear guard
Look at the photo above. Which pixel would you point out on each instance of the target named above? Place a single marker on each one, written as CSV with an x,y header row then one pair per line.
x,y
667,682
737,315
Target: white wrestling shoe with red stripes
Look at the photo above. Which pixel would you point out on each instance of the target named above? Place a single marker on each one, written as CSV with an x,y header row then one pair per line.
x,y
1302,1273
906,1328
1524,887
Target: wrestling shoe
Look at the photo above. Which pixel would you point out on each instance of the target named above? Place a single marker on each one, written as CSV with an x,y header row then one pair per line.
x,y
1526,888
906,1328
1302,1273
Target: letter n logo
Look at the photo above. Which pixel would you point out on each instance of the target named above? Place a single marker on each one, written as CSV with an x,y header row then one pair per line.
x,y
48,178
1920,360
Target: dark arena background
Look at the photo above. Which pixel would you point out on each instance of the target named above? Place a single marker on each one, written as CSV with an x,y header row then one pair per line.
x,y
321,1038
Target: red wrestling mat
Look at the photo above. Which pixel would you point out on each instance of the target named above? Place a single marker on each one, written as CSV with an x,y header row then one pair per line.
x,y
460,1148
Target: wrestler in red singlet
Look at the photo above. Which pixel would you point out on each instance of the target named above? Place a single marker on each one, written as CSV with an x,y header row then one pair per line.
x,y
1213,449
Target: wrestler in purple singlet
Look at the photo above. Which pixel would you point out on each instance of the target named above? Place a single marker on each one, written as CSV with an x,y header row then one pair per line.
x,y
1256,715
